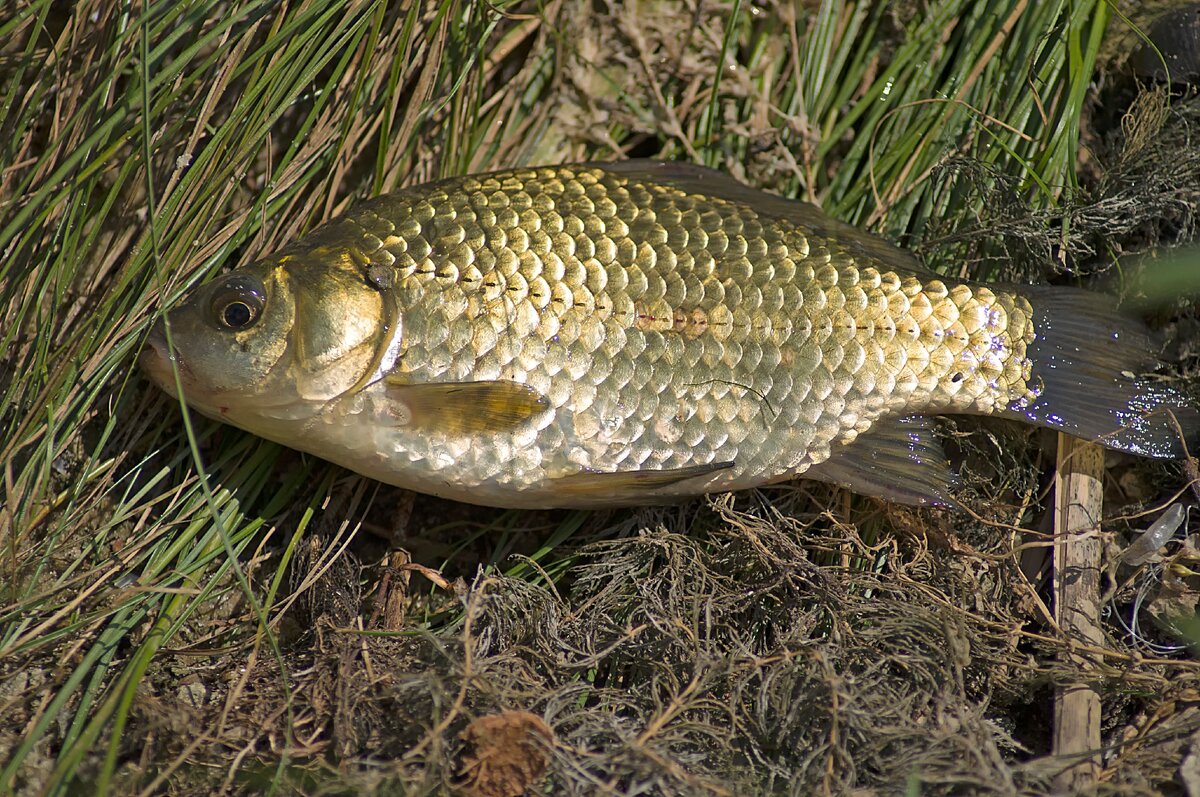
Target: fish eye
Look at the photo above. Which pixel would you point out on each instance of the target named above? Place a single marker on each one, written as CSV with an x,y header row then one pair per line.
x,y
238,303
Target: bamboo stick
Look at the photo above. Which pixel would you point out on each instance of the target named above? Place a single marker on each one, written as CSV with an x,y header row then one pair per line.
x,y
1078,503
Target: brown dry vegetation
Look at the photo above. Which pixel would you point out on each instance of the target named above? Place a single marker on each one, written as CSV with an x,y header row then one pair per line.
x,y
271,622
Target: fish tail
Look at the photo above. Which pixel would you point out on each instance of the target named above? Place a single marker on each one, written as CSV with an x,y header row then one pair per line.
x,y
1088,366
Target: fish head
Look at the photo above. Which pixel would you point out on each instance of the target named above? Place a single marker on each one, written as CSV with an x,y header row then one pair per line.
x,y
268,346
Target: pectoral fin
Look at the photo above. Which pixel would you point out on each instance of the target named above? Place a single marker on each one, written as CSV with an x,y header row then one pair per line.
x,y
630,485
898,460
464,408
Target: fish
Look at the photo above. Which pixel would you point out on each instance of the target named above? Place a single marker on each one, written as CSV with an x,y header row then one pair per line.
x,y
642,332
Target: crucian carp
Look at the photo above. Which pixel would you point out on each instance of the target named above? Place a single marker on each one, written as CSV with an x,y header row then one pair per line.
x,y
629,333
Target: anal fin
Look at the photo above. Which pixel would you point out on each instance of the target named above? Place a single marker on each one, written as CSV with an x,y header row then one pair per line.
x,y
630,485
464,408
898,460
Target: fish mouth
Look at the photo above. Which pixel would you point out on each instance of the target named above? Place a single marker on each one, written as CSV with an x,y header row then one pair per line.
x,y
159,362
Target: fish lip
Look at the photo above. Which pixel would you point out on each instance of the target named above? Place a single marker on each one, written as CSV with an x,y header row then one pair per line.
x,y
159,361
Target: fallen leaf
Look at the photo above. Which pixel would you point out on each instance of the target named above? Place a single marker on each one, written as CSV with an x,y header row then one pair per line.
x,y
507,754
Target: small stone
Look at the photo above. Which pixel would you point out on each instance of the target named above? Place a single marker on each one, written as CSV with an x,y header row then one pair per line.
x,y
382,277
194,694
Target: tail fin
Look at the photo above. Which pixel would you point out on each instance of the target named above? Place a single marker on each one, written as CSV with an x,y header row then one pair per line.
x,y
1091,360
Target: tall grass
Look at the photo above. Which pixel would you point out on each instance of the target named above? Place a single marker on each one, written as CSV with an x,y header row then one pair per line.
x,y
146,146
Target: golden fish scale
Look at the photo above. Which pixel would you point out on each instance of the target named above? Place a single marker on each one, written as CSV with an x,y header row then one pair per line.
x,y
667,329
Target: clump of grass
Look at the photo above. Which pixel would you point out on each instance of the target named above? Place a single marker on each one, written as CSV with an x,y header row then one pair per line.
x,y
211,598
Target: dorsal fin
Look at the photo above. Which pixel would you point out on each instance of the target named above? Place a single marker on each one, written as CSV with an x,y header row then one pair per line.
x,y
710,182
